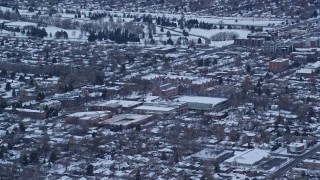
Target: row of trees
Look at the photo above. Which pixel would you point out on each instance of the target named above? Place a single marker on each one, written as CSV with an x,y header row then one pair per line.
x,y
9,15
61,35
163,21
37,32
119,36
224,36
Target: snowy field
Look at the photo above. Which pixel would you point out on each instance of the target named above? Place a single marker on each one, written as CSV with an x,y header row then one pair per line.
x,y
220,43
215,19
239,21
72,33
21,24
160,36
208,19
209,33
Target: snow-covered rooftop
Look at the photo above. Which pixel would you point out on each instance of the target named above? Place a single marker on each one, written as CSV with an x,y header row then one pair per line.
x,y
249,157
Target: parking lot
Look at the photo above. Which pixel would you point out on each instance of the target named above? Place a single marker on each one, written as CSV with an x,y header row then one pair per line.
x,y
273,163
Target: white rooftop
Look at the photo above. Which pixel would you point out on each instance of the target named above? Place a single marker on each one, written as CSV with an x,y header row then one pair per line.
x,y
155,108
201,99
88,114
248,157
123,103
279,60
305,71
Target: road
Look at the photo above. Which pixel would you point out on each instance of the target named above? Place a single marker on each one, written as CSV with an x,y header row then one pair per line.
x,y
280,172
296,25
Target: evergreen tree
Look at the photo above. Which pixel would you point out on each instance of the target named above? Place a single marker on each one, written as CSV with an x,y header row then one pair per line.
x,y
192,44
34,158
57,35
203,177
90,170
259,84
22,128
1,153
99,36
220,80
40,96
31,82
252,29
163,156
24,159
53,157
259,92
152,41
43,33
3,73
169,41
47,54
123,68
14,93
137,176
288,129
54,60
8,86
104,94
217,167
99,80
199,41
176,155
207,62
150,36
315,13
138,127
168,34
65,35
200,62
185,33
248,68
21,78
3,105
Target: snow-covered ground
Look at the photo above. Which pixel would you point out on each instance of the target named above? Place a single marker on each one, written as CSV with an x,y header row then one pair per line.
x,y
21,23
215,19
54,29
3,20
239,21
160,36
4,9
221,43
208,33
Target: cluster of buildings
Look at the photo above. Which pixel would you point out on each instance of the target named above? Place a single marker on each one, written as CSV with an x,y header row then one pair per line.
x,y
243,110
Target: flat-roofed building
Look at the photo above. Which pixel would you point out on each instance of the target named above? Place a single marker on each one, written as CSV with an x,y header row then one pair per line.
x,y
312,163
91,118
162,108
116,106
203,103
278,65
247,158
165,90
296,147
126,121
